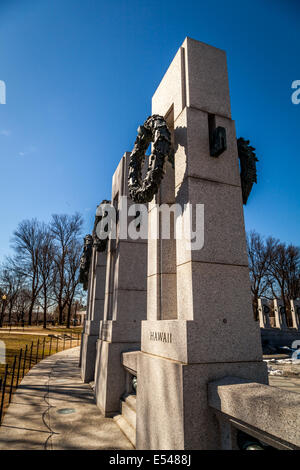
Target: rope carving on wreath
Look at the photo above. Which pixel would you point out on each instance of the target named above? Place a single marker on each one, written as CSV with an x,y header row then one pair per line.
x,y
154,130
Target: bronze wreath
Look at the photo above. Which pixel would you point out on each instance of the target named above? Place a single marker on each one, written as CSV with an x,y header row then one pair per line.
x,y
248,167
100,243
85,261
154,130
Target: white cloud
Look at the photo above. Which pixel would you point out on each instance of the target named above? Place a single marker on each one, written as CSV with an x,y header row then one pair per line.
x,y
5,132
28,151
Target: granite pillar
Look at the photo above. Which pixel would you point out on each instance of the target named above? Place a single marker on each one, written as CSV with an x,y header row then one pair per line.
x,y
125,302
295,312
94,314
280,314
207,329
263,312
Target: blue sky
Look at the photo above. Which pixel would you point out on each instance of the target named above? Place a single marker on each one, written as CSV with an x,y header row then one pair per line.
x,y
80,75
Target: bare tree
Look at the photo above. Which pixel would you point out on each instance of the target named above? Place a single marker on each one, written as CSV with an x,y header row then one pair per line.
x,y
260,254
274,269
284,272
46,267
66,230
22,305
293,270
11,282
72,275
26,242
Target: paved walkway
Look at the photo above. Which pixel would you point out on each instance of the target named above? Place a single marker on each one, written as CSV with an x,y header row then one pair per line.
x,y
53,410
292,384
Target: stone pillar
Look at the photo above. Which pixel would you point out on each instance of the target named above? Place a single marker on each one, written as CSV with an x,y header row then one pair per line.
x,y
210,332
263,312
280,315
295,312
277,315
84,321
94,314
125,303
80,354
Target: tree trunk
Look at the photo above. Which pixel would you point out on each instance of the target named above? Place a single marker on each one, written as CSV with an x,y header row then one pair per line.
x,y
60,315
45,311
30,312
69,315
9,314
255,306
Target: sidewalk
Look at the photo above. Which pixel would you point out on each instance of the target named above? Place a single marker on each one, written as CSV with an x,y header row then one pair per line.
x,y
21,332
53,410
292,384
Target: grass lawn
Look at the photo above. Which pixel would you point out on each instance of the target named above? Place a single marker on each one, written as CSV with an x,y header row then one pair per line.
x,y
39,329
36,347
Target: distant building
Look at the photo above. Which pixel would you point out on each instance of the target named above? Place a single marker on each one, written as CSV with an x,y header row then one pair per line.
x,y
81,316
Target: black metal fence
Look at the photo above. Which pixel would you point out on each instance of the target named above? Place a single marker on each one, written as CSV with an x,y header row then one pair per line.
x,y
26,359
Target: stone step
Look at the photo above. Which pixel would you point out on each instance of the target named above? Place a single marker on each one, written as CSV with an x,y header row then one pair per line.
x,y
131,400
92,385
128,413
126,428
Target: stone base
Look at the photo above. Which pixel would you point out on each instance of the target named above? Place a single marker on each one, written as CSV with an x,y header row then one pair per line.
x,y
88,357
110,375
92,326
173,412
80,354
211,340
115,331
277,338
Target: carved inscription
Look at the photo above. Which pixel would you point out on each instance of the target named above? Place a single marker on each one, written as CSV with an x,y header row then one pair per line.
x,y
160,336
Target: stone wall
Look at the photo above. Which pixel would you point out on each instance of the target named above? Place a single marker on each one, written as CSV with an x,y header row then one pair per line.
x,y
279,322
